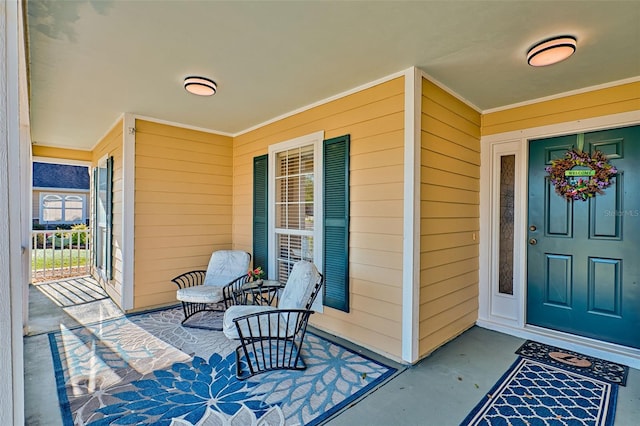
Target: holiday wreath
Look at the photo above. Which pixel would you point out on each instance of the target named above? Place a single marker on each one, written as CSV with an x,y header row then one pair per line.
x,y
581,184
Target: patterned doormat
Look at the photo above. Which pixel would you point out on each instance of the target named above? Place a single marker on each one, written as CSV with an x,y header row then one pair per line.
x,y
148,369
573,361
532,393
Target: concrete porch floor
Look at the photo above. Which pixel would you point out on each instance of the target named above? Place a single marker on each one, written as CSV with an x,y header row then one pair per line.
x,y
440,390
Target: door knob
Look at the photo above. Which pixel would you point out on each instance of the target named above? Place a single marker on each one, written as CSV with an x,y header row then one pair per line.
x,y
533,241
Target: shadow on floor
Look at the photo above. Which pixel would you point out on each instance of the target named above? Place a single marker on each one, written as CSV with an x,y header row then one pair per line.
x,y
70,302
439,390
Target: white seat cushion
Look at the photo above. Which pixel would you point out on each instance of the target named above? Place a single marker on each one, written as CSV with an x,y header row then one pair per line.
x,y
225,266
296,294
200,294
299,287
235,311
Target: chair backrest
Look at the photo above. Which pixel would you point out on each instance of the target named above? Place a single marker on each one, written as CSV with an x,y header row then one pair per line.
x,y
225,266
303,285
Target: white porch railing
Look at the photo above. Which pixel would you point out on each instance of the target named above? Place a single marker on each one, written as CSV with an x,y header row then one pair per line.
x,y
59,254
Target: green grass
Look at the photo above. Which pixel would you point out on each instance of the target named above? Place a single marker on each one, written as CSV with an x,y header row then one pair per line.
x,y
62,258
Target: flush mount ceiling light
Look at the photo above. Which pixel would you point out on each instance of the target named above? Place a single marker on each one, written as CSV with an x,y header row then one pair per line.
x,y
200,86
551,51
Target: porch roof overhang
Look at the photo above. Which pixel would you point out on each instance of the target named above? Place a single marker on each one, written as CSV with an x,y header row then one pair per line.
x,y
90,62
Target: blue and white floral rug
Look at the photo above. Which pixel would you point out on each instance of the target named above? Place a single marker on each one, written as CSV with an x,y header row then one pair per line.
x,y
532,393
148,369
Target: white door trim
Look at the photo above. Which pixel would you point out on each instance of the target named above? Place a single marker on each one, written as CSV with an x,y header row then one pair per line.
x,y
506,314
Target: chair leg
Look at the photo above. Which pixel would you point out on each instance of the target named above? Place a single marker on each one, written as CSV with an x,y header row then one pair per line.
x,y
270,340
255,366
190,309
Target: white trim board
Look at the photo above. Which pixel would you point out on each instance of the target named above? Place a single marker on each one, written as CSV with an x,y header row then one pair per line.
x,y
180,125
516,324
54,160
58,190
451,92
128,210
586,125
325,101
563,95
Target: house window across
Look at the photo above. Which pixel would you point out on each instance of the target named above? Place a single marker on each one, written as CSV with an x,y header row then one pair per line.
x,y
60,208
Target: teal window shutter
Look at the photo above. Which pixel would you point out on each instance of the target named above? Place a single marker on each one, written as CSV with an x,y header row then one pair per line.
x,y
109,260
260,210
336,222
94,219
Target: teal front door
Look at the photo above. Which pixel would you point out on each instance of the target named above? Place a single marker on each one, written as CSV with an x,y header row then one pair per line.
x,y
583,257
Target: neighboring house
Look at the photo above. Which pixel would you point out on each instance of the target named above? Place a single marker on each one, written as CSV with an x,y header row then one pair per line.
x,y
60,195
426,243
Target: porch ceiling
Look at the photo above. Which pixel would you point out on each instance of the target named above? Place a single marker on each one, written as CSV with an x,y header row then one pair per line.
x,y
89,61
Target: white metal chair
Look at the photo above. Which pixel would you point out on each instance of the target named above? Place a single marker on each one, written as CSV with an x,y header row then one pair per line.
x,y
215,288
271,336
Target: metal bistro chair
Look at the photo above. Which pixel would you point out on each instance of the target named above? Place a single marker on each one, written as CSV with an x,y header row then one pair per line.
x,y
215,288
271,337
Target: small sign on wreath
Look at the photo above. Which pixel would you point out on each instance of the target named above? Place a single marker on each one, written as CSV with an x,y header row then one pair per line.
x,y
580,176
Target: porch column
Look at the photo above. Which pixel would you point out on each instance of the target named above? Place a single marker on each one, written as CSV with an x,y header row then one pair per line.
x,y
411,226
11,275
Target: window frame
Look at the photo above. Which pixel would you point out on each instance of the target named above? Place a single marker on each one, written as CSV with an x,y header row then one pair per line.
x,y
316,139
63,199
103,269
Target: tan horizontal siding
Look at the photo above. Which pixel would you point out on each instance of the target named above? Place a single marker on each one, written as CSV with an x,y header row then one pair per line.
x,y
181,166
437,209
449,217
448,286
448,195
444,304
374,118
440,97
184,229
183,206
447,271
596,103
61,153
440,225
171,209
447,163
450,179
447,256
435,242
452,329
433,143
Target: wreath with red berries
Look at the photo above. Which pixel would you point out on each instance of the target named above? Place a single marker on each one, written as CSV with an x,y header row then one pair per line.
x,y
581,186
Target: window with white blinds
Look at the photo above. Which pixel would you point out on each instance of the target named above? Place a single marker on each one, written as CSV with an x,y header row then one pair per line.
x,y
295,212
294,208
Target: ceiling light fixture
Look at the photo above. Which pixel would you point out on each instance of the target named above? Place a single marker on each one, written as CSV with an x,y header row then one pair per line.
x,y
551,51
200,86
